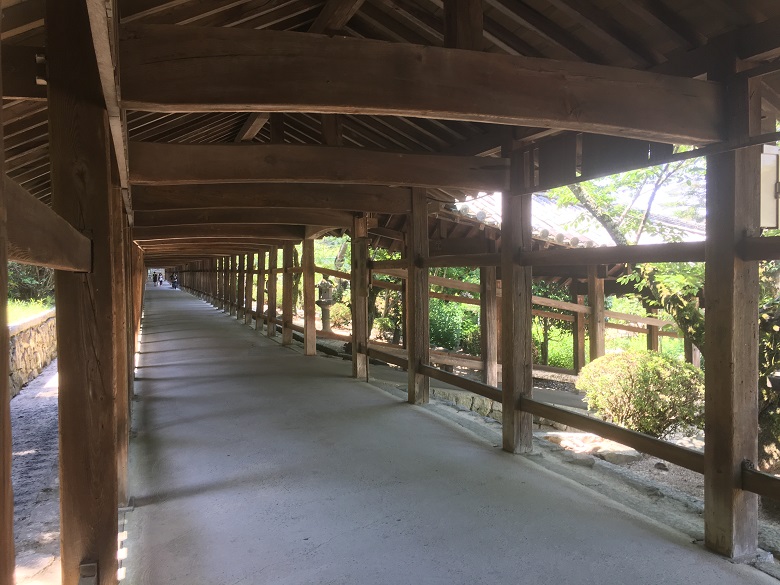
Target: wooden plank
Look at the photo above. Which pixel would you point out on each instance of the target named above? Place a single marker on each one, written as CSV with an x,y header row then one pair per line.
x,y
335,15
688,458
359,297
516,315
183,164
417,304
252,126
218,231
763,484
485,390
668,252
464,260
390,358
488,321
596,322
309,316
287,294
731,330
760,248
373,199
463,24
37,235
23,72
82,191
259,216
163,68
7,551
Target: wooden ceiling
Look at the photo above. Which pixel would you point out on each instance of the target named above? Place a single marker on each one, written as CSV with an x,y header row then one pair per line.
x,y
675,37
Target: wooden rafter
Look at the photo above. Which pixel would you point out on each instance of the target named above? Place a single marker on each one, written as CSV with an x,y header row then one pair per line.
x,y
335,15
253,124
261,216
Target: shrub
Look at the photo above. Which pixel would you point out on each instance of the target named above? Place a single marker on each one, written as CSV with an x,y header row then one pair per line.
x,y
340,315
384,326
645,391
446,319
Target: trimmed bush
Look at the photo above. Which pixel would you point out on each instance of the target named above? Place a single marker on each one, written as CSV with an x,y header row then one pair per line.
x,y
645,391
340,315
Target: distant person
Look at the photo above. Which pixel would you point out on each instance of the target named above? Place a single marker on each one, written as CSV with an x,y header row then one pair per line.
x,y
174,280
154,278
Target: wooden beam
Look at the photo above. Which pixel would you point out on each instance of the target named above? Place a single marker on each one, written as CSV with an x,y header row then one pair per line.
x,y
516,313
463,24
216,231
668,252
287,294
578,334
488,320
7,551
596,323
183,164
417,303
731,330
163,68
23,72
37,235
321,217
367,198
359,297
335,15
309,325
83,195
252,126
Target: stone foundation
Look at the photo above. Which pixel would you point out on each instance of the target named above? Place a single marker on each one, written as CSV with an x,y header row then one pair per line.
x,y
33,346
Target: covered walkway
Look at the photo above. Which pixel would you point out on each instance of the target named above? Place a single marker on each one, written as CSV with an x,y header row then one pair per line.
x,y
252,464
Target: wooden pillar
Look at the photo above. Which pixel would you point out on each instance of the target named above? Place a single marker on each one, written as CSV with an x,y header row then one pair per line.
x,y
232,284
309,324
731,376
260,290
516,350
578,334
83,194
240,287
7,556
273,257
359,296
287,294
653,334
249,287
417,300
225,287
488,324
596,329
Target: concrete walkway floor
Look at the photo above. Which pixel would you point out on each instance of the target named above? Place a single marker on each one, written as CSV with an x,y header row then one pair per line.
x,y
252,464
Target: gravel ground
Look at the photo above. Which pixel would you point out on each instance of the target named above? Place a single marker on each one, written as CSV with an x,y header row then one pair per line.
x,y
34,473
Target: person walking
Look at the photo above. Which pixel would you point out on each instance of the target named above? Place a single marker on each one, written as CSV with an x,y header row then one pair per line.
x,y
154,278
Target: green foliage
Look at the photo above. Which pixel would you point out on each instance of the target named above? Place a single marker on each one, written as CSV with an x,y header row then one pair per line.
x,y
384,326
22,310
340,315
446,319
29,282
645,391
471,336
769,396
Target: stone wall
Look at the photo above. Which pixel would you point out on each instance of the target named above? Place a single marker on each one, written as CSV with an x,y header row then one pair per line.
x,y
33,347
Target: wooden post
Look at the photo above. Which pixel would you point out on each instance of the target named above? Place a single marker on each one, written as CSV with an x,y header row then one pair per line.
x,y
232,285
273,257
249,287
359,294
516,350
7,556
225,287
596,329
652,334
488,324
309,325
578,334
731,330
83,194
240,287
260,290
287,294
417,300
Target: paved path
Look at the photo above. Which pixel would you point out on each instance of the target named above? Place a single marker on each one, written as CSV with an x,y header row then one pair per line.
x,y
253,464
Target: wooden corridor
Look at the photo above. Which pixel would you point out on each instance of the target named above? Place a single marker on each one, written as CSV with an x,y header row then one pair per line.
x,y
254,464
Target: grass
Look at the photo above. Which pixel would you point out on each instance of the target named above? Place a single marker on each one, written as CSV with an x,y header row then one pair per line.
x,y
23,310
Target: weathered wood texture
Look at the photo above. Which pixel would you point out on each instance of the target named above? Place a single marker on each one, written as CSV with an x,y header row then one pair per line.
x,y
596,323
37,235
516,315
309,325
335,15
488,324
578,335
287,294
417,304
463,24
188,164
731,377
79,141
261,256
240,287
7,556
273,256
218,231
318,217
249,288
121,365
359,297
367,198
163,68
669,252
